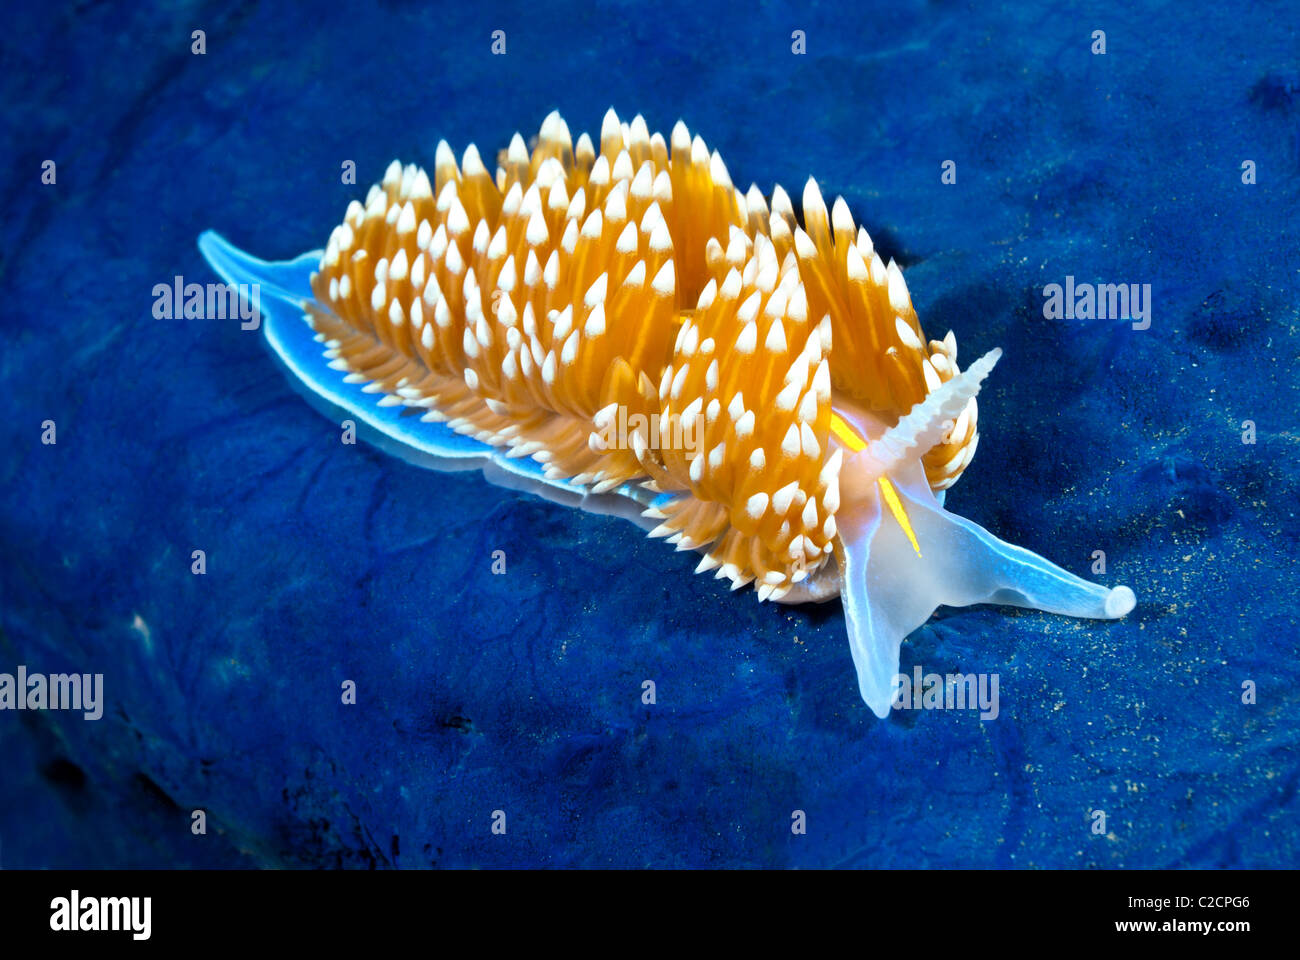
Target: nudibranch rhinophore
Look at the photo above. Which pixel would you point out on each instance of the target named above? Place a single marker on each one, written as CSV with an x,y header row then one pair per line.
x,y
624,330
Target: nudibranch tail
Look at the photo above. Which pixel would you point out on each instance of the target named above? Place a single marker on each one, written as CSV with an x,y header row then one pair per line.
x,y
615,326
285,290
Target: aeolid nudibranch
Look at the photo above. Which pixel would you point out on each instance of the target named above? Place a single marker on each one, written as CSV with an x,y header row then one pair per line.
x,y
807,429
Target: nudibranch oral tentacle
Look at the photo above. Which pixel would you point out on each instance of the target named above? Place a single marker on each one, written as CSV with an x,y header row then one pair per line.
x,y
616,326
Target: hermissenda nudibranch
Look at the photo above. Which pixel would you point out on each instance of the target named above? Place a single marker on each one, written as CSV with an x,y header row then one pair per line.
x,y
806,429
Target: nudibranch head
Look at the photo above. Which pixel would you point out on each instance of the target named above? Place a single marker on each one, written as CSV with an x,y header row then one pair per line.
x,y
622,314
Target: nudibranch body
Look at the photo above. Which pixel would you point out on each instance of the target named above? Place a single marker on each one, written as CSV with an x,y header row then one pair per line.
x,y
621,328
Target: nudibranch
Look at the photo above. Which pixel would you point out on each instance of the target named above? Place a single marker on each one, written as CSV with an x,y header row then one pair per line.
x,y
618,327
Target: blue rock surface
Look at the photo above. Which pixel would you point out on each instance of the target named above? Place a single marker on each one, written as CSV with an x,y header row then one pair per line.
x,y
521,693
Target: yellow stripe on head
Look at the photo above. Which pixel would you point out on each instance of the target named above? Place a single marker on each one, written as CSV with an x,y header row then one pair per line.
x,y
896,508
849,437
846,434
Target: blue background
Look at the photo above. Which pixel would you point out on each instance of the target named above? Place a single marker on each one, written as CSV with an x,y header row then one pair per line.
x,y
522,692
